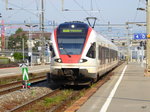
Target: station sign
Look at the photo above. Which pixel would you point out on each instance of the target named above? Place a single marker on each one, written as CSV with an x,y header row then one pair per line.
x,y
139,36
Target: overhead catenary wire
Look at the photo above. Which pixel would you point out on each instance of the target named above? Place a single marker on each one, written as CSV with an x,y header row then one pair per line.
x,y
37,6
143,2
52,4
92,5
96,3
19,9
82,8
136,13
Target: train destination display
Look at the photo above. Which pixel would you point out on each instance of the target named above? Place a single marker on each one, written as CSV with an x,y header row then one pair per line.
x,y
72,30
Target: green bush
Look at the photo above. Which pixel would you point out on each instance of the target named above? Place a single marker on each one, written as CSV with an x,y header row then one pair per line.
x,y
18,56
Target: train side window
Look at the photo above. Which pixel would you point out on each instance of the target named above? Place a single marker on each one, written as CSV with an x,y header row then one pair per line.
x,y
52,51
92,51
108,55
116,55
99,53
103,55
111,55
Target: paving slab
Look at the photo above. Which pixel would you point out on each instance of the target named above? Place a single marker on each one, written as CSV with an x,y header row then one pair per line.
x,y
131,95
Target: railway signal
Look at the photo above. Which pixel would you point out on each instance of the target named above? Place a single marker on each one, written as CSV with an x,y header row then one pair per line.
x,y
24,69
25,73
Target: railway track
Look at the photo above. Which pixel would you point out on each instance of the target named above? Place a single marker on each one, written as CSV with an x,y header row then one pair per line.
x,y
28,104
63,105
7,88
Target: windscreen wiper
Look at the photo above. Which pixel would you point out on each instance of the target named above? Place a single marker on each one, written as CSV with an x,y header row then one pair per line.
x,y
66,51
61,47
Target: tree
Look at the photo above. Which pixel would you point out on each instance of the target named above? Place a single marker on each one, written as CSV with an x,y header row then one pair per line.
x,y
36,45
15,40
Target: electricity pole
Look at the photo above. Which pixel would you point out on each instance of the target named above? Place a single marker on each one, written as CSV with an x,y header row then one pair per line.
x,y
128,44
148,38
42,28
23,48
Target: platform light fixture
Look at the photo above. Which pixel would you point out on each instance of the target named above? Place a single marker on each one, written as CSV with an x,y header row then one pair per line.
x,y
142,9
30,39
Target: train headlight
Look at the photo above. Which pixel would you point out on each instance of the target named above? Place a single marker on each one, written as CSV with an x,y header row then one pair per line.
x,y
83,60
58,60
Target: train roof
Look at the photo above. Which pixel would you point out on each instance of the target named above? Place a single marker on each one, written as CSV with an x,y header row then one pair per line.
x,y
105,40
73,24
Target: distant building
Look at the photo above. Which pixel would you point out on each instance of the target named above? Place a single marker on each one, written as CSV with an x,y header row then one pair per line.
x,y
35,35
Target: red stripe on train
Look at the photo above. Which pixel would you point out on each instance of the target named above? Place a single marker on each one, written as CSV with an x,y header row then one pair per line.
x,y
87,37
71,59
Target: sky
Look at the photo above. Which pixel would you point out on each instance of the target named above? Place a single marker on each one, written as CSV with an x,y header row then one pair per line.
x,y
113,11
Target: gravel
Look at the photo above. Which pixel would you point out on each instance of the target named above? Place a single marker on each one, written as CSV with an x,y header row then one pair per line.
x,y
11,100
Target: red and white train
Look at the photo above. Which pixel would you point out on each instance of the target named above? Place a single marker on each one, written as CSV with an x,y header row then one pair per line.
x,y
79,54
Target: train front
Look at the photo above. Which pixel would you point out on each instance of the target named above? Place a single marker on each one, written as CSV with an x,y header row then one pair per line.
x,y
71,50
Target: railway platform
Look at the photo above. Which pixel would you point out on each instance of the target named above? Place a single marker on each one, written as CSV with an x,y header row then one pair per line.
x,y
6,72
128,90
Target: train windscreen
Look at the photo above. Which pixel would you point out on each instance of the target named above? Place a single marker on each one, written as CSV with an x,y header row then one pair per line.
x,y
71,41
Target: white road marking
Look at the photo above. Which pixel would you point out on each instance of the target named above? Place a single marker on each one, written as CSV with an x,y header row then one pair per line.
x,y
7,74
111,95
6,69
1,69
37,70
30,71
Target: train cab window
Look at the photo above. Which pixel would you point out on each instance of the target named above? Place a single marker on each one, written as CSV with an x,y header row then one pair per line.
x,y
52,51
92,51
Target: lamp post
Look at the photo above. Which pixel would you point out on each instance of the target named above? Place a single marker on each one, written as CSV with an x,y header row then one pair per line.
x,y
30,43
142,9
128,44
148,38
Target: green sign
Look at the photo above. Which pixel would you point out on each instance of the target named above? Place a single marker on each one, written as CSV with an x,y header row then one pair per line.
x,y
25,73
72,30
